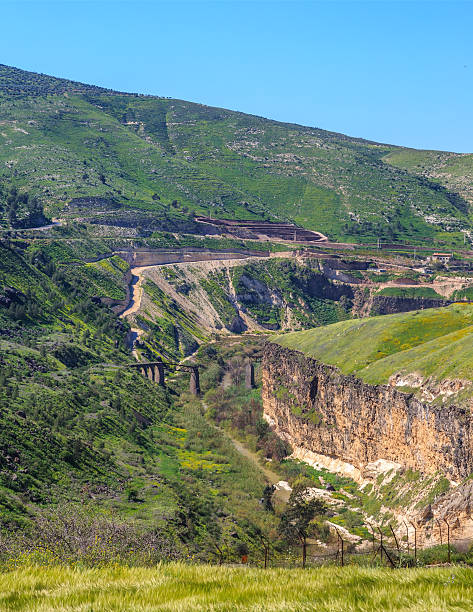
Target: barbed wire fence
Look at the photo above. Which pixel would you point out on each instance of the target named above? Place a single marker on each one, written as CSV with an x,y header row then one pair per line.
x,y
386,548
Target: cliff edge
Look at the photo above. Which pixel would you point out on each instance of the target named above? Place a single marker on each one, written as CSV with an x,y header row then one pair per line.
x,y
320,410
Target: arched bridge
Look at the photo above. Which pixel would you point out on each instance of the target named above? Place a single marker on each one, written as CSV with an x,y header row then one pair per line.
x,y
154,370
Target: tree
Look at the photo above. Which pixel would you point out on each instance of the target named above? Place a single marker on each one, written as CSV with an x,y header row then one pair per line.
x,y
300,511
268,492
12,214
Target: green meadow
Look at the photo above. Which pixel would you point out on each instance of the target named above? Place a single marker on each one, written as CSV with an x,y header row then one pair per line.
x,y
434,342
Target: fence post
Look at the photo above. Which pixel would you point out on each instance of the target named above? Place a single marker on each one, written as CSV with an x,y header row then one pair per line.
x,y
395,539
341,543
440,530
448,538
415,540
389,558
407,536
381,547
265,544
220,553
372,533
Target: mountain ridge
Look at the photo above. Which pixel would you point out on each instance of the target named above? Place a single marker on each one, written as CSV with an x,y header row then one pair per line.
x,y
44,76
5,69
63,140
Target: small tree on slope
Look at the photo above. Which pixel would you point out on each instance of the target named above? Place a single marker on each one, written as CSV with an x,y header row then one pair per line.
x,y
301,509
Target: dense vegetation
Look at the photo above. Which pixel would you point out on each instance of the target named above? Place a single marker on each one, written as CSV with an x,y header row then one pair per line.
x,y
268,289
19,209
77,426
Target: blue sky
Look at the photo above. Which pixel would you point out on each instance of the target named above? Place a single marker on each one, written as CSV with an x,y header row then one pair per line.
x,y
397,72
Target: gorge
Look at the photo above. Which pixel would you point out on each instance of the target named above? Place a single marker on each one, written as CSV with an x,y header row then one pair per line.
x,y
317,408
382,403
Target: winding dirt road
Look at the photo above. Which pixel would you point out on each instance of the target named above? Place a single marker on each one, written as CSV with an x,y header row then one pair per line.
x,y
272,477
136,291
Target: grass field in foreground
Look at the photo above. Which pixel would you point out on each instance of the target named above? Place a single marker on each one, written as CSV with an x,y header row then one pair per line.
x,y
185,587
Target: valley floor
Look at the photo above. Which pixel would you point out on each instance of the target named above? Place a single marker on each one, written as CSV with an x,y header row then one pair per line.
x,y
180,587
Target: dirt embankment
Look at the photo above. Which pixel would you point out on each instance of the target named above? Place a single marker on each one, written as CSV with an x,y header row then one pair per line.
x,y
146,258
157,257
196,301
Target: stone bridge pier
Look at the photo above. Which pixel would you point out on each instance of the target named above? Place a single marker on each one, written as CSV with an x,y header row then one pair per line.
x,y
154,371
250,375
194,386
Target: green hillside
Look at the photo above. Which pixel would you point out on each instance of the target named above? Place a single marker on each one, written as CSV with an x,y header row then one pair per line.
x,y
78,427
132,159
451,170
435,342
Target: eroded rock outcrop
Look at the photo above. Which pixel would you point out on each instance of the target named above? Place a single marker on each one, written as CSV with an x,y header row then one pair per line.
x,y
324,412
383,305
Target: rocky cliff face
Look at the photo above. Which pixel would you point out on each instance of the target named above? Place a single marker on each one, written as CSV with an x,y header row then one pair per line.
x,y
382,304
332,417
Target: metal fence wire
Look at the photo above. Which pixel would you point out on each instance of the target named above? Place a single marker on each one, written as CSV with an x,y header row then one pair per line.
x,y
385,548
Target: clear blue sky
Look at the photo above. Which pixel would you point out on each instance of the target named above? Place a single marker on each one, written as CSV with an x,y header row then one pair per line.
x,y
397,72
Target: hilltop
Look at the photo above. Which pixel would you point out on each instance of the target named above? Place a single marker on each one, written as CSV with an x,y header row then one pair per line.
x,y
434,343
124,159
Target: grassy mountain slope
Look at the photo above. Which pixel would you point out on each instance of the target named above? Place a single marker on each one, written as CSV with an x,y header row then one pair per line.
x,y
433,342
77,426
62,140
453,171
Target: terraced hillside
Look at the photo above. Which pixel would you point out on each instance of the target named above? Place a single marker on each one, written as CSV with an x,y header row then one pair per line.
x,y
126,159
